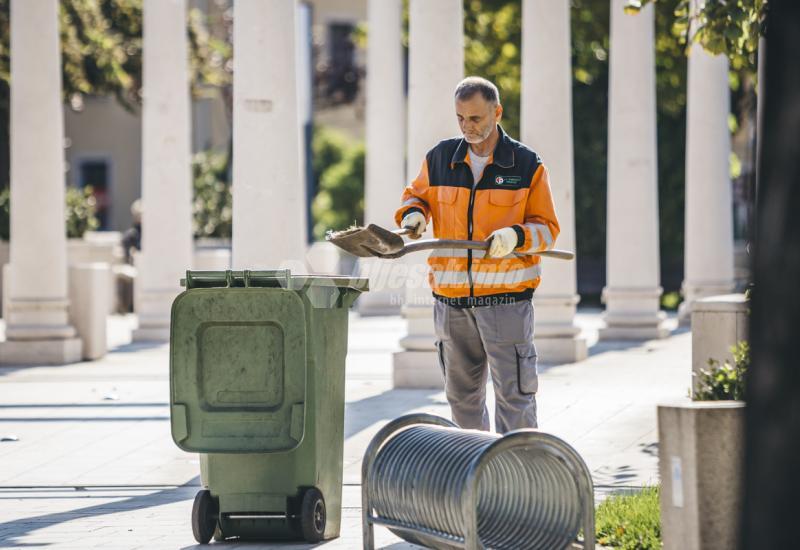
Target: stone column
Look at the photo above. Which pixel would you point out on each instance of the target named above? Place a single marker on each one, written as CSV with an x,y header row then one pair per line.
x,y
436,65
166,170
269,220
708,251
386,123
547,127
632,293
37,325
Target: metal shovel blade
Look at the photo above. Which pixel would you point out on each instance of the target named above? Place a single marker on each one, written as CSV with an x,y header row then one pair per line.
x,y
372,240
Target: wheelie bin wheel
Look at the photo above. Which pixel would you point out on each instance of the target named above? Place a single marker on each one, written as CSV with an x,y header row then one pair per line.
x,y
204,516
313,515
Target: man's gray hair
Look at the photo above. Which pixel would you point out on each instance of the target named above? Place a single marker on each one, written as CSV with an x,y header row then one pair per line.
x,y
476,85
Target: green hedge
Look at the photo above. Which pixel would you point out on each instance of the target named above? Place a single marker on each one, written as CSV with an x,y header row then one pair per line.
x,y
80,212
338,166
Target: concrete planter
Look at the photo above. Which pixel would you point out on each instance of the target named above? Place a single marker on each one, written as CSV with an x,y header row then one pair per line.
x,y
701,447
718,323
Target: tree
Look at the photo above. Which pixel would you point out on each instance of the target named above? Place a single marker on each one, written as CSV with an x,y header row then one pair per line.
x,y
730,27
101,54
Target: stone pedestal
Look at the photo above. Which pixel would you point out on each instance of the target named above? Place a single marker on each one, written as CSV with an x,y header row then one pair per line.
x,y
166,172
269,209
547,128
88,308
37,325
633,281
385,162
633,314
558,339
388,277
708,254
436,54
700,452
718,323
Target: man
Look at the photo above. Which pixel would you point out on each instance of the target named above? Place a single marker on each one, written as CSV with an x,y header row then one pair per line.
x,y
484,186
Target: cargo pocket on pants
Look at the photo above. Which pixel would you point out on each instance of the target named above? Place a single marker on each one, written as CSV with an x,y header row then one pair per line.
x,y
527,375
440,354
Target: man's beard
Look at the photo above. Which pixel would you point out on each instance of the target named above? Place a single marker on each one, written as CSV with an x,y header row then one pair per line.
x,y
480,138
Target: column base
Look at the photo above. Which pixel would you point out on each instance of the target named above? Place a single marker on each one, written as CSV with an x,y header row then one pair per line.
x,y
635,333
387,287
154,309
633,314
41,352
417,370
554,350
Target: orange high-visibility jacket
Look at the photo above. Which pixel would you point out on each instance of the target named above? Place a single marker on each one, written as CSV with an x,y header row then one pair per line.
x,y
513,191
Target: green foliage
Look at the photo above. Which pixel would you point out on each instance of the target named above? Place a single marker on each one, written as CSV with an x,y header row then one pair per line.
x,y
671,300
492,49
327,148
338,165
212,208
81,207
80,210
723,381
730,27
101,52
630,522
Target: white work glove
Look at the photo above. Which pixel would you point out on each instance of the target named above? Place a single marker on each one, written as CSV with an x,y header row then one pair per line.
x,y
502,242
415,221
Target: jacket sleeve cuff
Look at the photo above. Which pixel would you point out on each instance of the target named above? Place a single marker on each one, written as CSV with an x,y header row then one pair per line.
x,y
520,235
410,210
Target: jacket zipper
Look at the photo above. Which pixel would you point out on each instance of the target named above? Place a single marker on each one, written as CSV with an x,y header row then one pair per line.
x,y
469,228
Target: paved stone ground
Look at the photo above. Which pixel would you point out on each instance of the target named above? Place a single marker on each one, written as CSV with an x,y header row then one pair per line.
x,y
94,464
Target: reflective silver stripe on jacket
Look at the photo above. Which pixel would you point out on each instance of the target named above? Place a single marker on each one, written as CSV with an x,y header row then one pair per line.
x,y
540,233
488,278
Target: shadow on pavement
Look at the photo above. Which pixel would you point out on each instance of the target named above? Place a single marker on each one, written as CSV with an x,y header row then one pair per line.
x,y
234,544
388,405
10,531
137,346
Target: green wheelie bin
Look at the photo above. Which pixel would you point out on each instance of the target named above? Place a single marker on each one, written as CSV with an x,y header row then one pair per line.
x,y
257,370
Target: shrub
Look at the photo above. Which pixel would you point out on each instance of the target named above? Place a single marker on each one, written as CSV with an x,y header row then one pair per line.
x,y
81,208
630,522
212,207
338,164
723,381
671,300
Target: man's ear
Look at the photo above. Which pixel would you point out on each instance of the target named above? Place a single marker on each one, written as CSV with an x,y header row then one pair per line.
x,y
498,113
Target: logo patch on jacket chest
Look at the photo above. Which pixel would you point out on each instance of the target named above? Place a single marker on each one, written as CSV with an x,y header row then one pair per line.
x,y
508,180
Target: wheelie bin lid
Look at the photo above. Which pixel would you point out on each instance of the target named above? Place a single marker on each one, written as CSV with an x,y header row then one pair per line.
x,y
238,357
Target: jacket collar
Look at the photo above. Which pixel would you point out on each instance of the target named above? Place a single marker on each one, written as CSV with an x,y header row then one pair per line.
x,y
503,155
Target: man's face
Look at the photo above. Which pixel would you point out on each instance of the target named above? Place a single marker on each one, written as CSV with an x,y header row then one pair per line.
x,y
477,118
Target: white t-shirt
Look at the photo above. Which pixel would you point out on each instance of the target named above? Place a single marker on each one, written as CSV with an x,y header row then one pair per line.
x,y
477,164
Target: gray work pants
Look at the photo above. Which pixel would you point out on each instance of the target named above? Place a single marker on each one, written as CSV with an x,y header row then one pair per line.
x,y
502,335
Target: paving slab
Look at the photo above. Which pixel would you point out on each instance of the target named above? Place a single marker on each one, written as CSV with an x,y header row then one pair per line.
x,y
94,465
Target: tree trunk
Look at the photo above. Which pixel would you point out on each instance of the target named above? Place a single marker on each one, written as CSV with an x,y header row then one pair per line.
x,y
772,476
